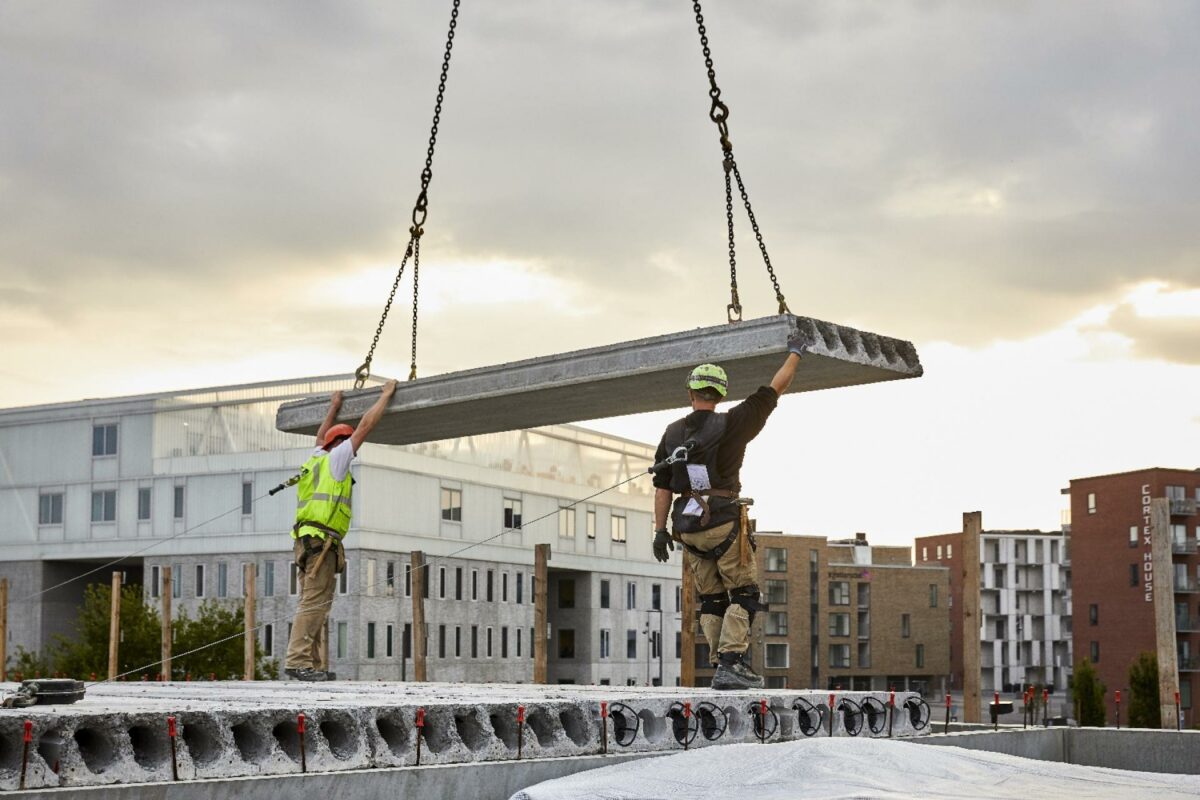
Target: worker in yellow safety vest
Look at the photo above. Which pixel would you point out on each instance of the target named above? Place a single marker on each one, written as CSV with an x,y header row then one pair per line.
x,y
322,520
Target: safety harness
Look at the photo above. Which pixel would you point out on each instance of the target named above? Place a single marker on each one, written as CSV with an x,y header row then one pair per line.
x,y
698,482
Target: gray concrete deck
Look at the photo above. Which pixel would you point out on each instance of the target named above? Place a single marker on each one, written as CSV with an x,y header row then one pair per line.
x,y
628,378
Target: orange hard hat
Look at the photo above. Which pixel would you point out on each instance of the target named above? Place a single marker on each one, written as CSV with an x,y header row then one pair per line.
x,y
335,432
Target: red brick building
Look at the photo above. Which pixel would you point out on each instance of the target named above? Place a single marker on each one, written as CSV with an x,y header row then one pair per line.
x,y
1113,579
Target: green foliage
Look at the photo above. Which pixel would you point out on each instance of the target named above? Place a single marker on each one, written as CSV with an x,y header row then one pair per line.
x,y
216,622
28,665
87,651
1144,708
1088,694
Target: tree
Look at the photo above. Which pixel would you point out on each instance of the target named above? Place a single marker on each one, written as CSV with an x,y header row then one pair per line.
x,y
87,651
1144,708
216,623
1088,694
25,665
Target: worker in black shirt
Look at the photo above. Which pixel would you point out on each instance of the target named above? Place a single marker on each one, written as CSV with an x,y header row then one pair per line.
x,y
709,517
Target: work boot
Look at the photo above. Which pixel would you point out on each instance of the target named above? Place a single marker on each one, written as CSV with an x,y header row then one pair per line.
x,y
307,674
734,674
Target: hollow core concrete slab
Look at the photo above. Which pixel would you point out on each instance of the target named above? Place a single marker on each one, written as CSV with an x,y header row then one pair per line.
x,y
628,378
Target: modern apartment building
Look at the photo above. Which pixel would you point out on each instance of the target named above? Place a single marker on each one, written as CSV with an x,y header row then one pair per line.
x,y
846,614
1118,584
179,479
1024,603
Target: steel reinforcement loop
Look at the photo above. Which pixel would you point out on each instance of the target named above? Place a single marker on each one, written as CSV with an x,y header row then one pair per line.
x,y
805,712
852,716
918,712
621,714
764,728
707,713
684,726
876,713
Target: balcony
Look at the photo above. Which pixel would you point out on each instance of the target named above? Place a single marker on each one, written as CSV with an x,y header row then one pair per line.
x,y
1186,624
1186,586
1189,664
1185,546
1184,507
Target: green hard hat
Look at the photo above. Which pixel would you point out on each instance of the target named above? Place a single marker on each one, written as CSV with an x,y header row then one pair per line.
x,y
709,376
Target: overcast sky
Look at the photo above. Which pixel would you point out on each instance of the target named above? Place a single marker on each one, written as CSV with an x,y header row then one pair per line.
x,y
205,193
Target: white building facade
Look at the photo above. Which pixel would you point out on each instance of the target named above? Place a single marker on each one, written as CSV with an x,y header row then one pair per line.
x,y
180,480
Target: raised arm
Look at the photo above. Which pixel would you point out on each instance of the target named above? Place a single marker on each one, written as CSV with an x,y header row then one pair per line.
x,y
335,405
373,415
797,346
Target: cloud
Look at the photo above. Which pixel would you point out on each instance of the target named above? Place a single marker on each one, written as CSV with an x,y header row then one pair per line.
x,y
1160,322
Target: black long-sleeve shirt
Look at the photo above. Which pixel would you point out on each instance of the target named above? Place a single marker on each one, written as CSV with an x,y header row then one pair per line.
x,y
742,423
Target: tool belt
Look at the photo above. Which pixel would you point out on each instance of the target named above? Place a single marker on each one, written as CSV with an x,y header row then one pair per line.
x,y
314,546
699,496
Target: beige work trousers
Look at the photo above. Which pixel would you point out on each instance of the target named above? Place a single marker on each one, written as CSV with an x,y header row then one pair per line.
x,y
730,633
305,647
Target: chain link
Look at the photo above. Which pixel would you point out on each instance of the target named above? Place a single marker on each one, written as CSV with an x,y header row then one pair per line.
x,y
719,113
419,214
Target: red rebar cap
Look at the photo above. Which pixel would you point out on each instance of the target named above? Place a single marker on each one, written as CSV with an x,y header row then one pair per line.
x,y
300,723
171,727
28,731
603,709
687,709
520,714
420,721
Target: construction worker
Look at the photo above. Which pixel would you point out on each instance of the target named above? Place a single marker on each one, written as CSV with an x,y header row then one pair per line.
x,y
322,520
708,516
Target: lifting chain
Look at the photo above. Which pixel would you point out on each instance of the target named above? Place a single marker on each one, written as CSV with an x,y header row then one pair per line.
x,y
419,213
718,112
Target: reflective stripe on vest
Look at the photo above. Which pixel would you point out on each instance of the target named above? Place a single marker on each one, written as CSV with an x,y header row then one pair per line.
x,y
322,500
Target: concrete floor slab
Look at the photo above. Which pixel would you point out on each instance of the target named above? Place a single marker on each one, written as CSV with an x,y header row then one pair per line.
x,y
118,733
628,378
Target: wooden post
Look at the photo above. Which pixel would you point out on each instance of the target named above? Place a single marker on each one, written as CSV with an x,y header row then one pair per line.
x,y
972,669
3,629
250,637
1163,599
114,625
541,639
687,630
167,589
417,565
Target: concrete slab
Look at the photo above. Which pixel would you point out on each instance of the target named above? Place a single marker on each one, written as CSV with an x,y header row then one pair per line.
x,y
628,378
118,734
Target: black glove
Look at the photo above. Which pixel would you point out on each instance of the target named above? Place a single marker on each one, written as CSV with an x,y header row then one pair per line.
x,y
662,543
800,344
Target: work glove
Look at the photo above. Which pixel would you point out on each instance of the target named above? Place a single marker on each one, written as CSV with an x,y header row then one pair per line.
x,y
662,543
800,343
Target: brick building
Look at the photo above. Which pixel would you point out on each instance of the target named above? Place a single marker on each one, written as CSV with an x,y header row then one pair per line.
x,y
1025,606
1115,582
844,613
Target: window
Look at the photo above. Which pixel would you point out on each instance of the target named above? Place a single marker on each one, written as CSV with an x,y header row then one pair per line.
x,y
474,641
617,524
104,506
370,587
839,593
864,624
520,588
864,655
457,641
143,504
441,583
177,511
177,581
605,643
1094,614
776,559
566,643
631,643
1133,535
50,509
451,504
949,551
155,582
489,641
458,583
441,641
654,644
222,579
200,580
491,575
678,597
269,579
864,595
777,655
370,640
247,498
566,592
566,523
905,626
839,655
933,595
590,518
104,440
1176,493
268,640
631,595
388,636
939,552
1095,652
406,641
518,642
503,587
1185,695
504,641
293,580
776,623
408,579
920,656
1091,502
1133,575
839,624
343,639
924,553
474,584
656,596
776,592
344,580
512,514
389,578
678,645
604,593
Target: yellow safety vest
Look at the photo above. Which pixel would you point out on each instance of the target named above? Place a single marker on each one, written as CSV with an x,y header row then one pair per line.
x,y
322,501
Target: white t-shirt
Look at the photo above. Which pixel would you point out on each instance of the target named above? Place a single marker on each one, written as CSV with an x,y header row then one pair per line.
x,y
339,459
